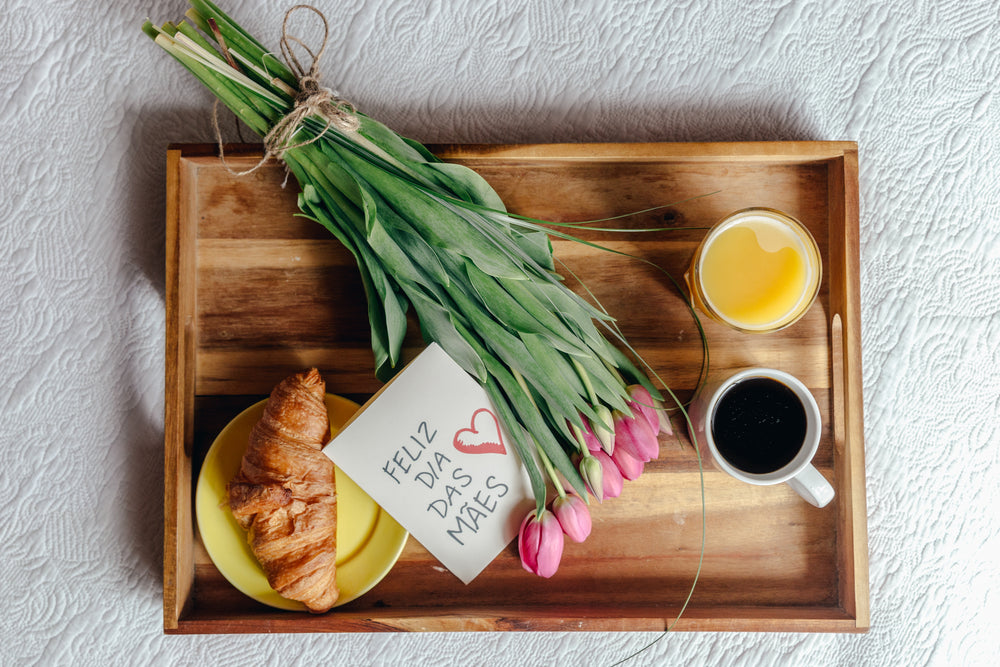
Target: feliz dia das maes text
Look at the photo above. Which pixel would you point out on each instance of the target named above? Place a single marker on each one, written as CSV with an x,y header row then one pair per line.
x,y
457,500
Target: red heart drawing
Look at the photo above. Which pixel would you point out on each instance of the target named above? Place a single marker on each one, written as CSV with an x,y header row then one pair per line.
x,y
483,438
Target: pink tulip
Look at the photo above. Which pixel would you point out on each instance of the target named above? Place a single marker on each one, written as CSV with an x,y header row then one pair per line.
x,y
573,515
642,403
592,473
611,476
636,436
591,440
645,437
628,464
651,409
540,543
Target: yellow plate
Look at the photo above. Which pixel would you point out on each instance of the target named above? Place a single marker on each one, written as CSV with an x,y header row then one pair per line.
x,y
369,541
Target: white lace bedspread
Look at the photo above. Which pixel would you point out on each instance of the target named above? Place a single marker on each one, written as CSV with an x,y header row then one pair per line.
x,y
89,106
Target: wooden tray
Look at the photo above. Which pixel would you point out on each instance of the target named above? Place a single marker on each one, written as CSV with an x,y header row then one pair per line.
x,y
254,293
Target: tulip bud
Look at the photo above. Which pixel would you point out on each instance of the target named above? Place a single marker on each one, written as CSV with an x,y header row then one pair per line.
x,y
623,436
589,439
635,435
540,543
628,464
651,409
611,476
593,476
573,515
603,428
642,404
645,436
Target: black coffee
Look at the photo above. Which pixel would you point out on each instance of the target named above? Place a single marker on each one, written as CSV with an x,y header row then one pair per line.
x,y
759,425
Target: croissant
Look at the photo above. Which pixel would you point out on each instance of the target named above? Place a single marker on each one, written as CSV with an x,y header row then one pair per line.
x,y
284,494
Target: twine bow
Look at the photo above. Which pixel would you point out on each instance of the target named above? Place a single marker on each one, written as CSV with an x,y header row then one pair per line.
x,y
311,99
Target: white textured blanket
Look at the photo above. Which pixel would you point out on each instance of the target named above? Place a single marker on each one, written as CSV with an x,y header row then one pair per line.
x,y
89,106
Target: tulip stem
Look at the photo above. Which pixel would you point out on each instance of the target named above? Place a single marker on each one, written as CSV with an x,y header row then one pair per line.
x,y
552,473
582,372
581,444
614,371
524,386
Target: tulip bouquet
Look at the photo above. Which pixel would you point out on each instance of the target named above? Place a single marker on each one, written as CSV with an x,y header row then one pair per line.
x,y
607,457
481,281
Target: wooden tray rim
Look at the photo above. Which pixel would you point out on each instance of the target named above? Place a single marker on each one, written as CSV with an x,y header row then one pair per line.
x,y
853,614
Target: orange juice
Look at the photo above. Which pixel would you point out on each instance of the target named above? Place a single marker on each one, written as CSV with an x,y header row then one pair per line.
x,y
757,270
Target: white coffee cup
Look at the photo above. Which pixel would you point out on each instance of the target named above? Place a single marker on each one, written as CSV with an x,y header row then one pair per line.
x,y
799,473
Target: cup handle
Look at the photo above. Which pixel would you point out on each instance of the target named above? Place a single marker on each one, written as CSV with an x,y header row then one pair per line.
x,y
812,486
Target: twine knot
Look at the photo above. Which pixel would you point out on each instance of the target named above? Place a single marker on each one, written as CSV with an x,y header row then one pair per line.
x,y
310,92
311,99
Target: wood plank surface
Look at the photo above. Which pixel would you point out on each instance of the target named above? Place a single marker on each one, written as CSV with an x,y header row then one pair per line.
x,y
271,293
178,533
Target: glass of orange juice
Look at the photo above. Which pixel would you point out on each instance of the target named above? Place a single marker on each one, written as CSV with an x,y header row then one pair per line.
x,y
757,270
